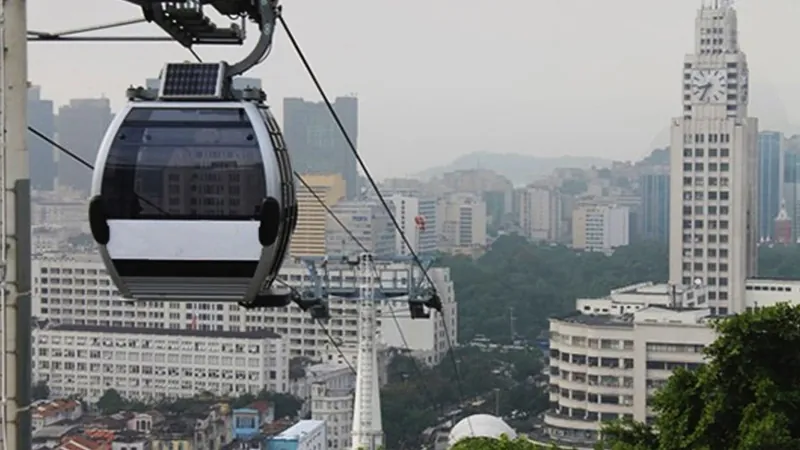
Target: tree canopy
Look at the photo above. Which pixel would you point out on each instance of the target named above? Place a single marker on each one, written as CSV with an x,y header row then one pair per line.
x,y
40,391
538,281
744,398
418,397
111,402
481,443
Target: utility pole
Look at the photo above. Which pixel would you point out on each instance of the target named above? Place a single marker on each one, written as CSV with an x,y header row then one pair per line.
x,y
15,227
511,320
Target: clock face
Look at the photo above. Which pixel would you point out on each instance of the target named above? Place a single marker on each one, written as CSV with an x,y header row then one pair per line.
x,y
709,86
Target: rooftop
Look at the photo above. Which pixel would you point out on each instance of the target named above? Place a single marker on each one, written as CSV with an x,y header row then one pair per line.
x,y
597,320
256,334
626,320
302,427
55,431
50,409
325,368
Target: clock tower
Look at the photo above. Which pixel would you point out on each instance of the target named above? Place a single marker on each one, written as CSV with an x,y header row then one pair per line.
x,y
713,166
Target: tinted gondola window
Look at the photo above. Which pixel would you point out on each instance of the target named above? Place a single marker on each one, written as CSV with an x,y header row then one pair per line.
x,y
181,164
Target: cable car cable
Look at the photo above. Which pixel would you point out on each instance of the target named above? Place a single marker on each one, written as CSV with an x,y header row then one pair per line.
x,y
352,146
330,212
324,330
84,163
374,185
89,166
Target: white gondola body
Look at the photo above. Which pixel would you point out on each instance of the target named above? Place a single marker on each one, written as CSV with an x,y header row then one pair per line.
x,y
178,244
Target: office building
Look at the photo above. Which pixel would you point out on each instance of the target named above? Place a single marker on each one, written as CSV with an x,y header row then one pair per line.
x,y
461,223
312,216
148,363
333,374
605,366
770,182
42,117
417,219
77,290
791,182
368,221
609,357
600,227
304,435
316,142
654,217
81,126
334,407
539,212
714,166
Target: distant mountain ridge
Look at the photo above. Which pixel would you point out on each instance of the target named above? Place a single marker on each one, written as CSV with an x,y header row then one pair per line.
x,y
520,169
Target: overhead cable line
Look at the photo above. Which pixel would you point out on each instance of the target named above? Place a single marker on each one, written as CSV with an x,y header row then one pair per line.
x,y
352,145
314,79
89,166
77,158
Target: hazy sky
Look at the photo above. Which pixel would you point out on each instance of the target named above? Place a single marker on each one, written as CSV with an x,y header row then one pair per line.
x,y
439,79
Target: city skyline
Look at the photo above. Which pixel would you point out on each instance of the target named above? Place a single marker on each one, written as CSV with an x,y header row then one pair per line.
x,y
616,272
397,97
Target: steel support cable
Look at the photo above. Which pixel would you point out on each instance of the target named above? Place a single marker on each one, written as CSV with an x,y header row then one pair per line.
x,y
349,232
83,162
351,145
358,242
315,80
331,212
324,330
316,196
427,392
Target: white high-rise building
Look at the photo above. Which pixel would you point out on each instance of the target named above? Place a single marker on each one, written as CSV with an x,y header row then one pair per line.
x,y
368,221
422,236
539,212
714,166
598,227
76,290
461,223
148,364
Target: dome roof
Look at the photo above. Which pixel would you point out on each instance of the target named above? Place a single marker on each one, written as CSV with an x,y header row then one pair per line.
x,y
480,425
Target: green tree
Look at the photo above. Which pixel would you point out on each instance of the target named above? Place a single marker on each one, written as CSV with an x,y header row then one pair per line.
x,y
286,405
40,391
111,402
418,396
780,261
504,443
745,398
538,281
297,367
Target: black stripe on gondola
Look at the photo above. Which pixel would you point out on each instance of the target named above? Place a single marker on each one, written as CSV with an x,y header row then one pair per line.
x,y
187,269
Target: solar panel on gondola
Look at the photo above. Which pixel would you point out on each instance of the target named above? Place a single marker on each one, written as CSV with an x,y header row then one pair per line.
x,y
192,81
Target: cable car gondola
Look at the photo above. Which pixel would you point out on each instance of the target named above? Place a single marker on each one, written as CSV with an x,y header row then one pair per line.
x,y
192,192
